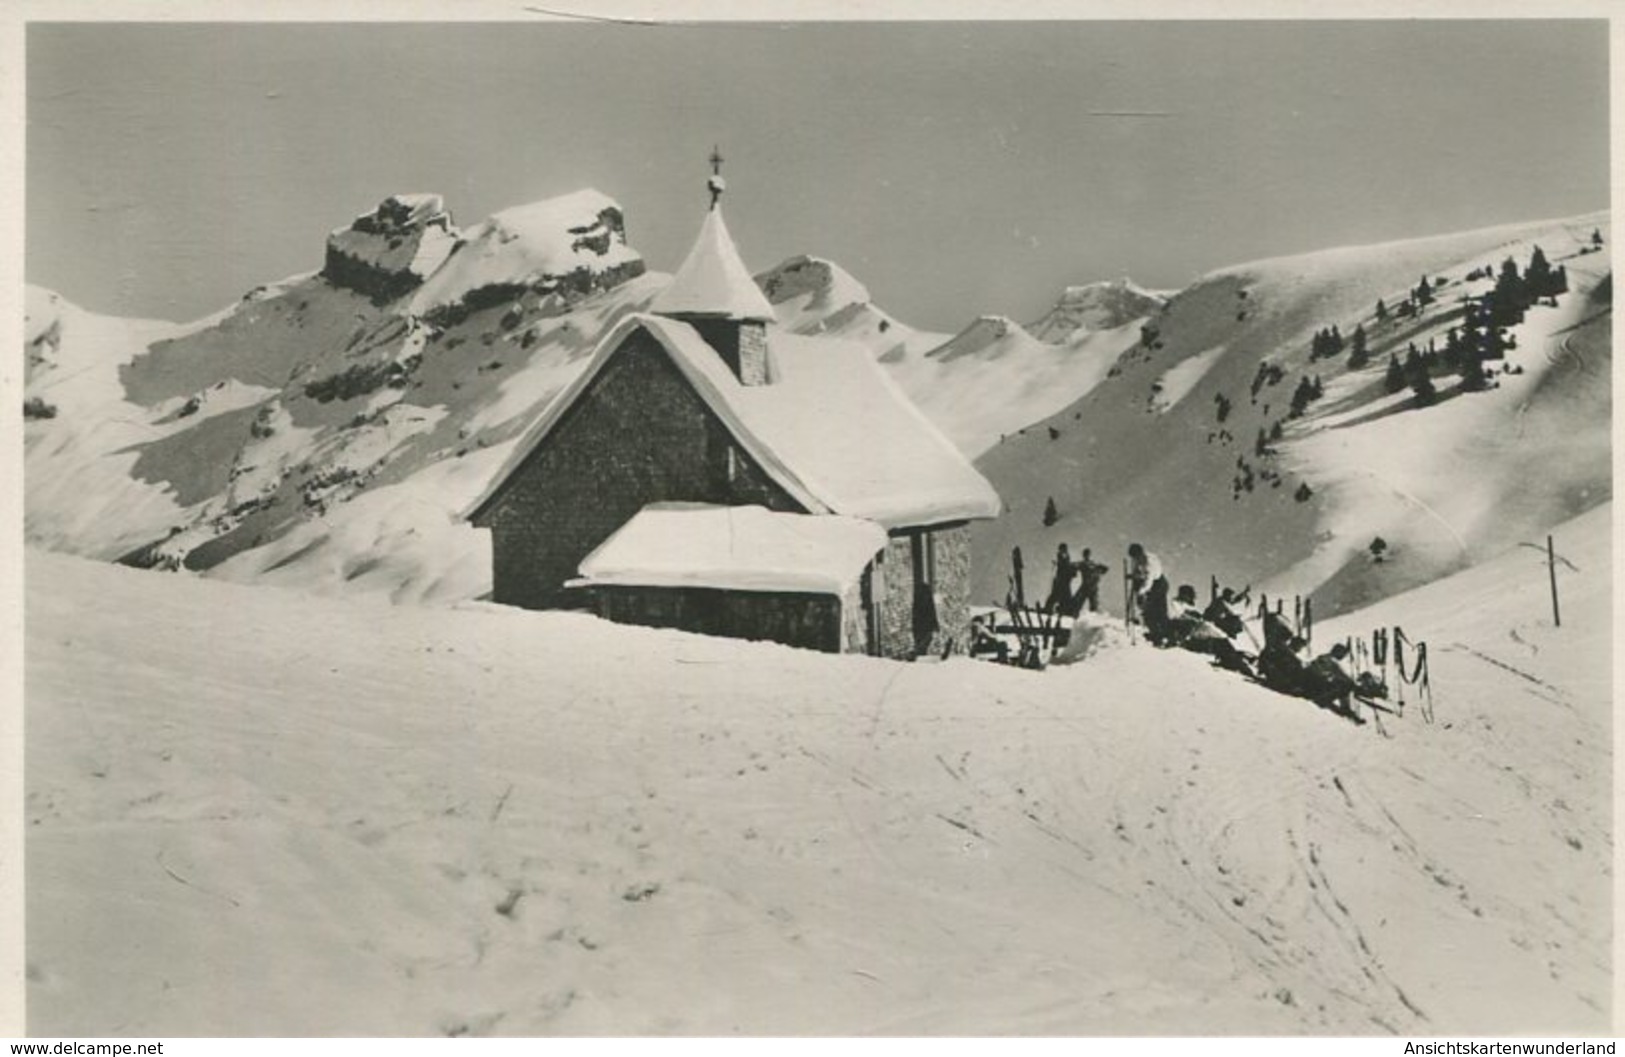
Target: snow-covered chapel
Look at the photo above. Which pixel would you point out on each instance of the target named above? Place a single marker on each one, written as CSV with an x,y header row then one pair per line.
x,y
710,471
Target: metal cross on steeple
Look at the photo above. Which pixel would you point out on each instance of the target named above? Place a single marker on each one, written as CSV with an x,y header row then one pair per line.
x,y
715,184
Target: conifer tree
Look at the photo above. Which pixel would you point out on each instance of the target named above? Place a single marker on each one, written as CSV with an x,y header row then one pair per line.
x,y
1051,515
1596,237
1261,376
1472,325
1538,276
1394,380
1358,357
1301,396
1507,299
1416,373
1473,378
1382,309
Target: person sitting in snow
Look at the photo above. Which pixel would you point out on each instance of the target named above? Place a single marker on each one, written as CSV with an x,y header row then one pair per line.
x,y
1331,681
1089,574
983,639
1179,617
1280,662
1328,680
1223,612
1189,629
1060,592
1143,571
1184,605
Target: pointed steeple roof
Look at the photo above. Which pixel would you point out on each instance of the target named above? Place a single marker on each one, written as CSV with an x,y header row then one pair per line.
x,y
713,282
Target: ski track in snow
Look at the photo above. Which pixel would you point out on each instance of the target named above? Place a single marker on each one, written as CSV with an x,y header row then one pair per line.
x,y
255,811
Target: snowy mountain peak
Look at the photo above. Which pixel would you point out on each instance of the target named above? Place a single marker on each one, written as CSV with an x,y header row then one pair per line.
x,y
988,335
815,281
572,245
41,308
392,249
42,328
1095,307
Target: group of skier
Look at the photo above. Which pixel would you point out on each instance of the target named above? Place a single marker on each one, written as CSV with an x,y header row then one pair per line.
x,y
1282,661
1062,598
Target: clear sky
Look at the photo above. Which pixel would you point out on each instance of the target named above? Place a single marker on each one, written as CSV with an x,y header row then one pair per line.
x,y
955,168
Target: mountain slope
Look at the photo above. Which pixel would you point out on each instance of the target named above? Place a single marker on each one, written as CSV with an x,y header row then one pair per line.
x,y
990,379
325,431
811,295
1168,449
398,374
480,820
83,436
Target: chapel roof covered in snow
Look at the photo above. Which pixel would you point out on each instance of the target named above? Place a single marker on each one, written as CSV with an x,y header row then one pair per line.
x,y
739,548
832,428
713,281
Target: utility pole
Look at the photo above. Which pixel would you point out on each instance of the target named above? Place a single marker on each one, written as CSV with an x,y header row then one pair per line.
x,y
1551,570
1552,559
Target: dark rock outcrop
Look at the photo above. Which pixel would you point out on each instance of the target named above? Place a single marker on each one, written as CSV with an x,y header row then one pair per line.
x,y
388,253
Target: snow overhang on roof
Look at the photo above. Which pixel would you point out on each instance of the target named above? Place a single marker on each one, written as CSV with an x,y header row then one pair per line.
x,y
833,430
713,281
736,548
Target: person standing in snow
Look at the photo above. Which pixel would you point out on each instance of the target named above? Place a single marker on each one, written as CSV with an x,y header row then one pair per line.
x,y
1143,570
1089,574
1060,592
1154,612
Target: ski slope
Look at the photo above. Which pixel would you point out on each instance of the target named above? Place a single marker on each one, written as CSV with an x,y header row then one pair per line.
x,y
255,811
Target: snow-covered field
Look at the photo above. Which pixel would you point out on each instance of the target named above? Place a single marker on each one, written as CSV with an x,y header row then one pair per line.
x,y
250,810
